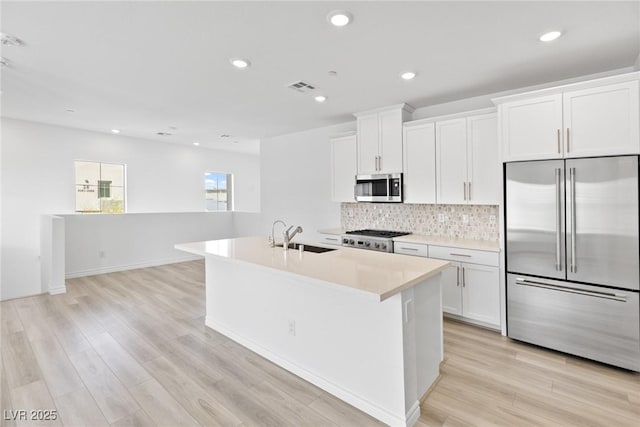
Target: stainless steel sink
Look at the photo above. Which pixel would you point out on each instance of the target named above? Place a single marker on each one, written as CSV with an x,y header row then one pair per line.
x,y
308,248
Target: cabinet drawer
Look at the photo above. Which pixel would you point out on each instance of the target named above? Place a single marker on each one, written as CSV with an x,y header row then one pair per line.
x,y
464,255
331,239
415,249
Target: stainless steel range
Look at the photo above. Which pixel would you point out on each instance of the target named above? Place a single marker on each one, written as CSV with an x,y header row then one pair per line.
x,y
374,240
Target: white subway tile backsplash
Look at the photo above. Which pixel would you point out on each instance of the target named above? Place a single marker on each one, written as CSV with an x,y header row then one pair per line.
x,y
472,222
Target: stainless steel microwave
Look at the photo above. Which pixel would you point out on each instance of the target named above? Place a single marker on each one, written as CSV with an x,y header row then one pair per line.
x,y
385,188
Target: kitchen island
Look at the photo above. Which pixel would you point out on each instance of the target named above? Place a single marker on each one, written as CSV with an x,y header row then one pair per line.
x,y
364,326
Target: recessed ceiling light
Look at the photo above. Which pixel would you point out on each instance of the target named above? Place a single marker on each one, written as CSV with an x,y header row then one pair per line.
x,y
320,98
339,18
409,75
8,40
240,62
196,143
332,73
163,133
115,131
550,36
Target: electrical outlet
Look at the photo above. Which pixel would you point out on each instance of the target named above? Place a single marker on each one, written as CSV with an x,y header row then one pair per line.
x,y
465,219
492,219
292,327
441,217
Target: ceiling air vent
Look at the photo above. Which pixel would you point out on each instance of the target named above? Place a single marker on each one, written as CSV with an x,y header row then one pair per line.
x,y
301,86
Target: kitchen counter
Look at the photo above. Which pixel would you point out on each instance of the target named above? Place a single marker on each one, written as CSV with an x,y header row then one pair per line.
x,y
375,274
362,325
478,245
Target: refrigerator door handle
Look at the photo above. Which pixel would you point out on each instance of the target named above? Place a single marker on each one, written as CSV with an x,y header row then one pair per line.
x,y
558,220
572,177
604,295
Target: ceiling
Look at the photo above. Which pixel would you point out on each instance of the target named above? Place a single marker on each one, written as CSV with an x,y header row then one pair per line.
x,y
143,67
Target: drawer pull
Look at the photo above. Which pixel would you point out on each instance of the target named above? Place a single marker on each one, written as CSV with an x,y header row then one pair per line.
x,y
331,238
464,255
603,295
409,249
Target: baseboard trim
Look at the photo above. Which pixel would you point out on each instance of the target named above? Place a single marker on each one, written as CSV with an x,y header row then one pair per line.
x,y
58,290
375,411
430,389
133,266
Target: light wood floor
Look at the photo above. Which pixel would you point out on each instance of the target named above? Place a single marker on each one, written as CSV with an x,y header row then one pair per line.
x,y
130,348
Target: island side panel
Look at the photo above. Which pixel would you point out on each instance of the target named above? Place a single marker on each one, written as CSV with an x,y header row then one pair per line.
x,y
346,343
428,332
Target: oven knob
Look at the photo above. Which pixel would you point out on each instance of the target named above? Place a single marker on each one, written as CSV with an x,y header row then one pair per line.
x,y
367,244
345,241
351,241
377,245
384,246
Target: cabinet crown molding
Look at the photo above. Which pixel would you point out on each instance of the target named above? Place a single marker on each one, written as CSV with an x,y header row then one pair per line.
x,y
406,107
618,78
443,117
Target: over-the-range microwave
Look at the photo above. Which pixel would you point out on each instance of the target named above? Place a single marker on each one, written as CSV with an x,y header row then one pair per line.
x,y
385,188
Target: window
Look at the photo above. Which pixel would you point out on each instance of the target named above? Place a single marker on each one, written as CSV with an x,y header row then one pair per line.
x,y
100,187
217,190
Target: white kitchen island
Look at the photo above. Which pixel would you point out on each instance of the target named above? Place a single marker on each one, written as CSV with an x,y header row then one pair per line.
x,y
364,326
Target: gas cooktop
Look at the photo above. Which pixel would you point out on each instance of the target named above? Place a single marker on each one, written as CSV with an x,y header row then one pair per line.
x,y
378,233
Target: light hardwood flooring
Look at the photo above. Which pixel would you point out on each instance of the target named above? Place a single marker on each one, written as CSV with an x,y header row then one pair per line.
x,y
131,349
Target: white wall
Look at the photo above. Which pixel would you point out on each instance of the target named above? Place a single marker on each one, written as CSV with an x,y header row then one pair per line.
x,y
295,182
38,178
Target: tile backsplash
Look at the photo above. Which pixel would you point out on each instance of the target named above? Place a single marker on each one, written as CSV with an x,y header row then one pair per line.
x,y
473,222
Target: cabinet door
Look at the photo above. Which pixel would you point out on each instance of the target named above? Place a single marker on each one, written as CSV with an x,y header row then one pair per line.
x,y
451,161
481,293
602,121
390,141
532,129
343,176
419,152
451,289
483,163
368,136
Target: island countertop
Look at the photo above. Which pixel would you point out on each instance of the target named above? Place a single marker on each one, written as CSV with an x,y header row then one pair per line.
x,y
376,274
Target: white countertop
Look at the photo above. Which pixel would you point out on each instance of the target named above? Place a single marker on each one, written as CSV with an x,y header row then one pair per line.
x,y
380,275
479,245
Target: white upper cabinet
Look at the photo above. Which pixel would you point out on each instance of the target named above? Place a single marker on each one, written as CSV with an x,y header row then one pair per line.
x,y
451,163
602,120
419,151
531,129
483,160
380,139
594,118
343,168
467,160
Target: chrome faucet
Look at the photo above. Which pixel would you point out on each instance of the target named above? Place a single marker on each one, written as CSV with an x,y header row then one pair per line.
x,y
273,238
288,237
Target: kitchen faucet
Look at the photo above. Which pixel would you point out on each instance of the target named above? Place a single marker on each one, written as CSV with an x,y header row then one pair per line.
x,y
287,237
273,238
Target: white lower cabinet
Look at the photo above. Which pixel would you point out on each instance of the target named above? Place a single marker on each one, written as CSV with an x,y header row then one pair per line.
x,y
470,291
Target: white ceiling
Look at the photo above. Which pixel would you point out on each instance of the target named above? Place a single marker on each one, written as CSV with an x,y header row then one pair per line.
x,y
144,66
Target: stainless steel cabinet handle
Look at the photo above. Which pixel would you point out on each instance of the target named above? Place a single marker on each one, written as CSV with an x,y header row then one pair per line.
x,y
464,190
568,142
379,163
604,295
464,255
331,238
458,276
408,249
377,167
574,267
559,142
469,190
558,219
464,280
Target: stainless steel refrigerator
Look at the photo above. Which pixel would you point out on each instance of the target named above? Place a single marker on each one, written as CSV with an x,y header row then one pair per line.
x,y
573,256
